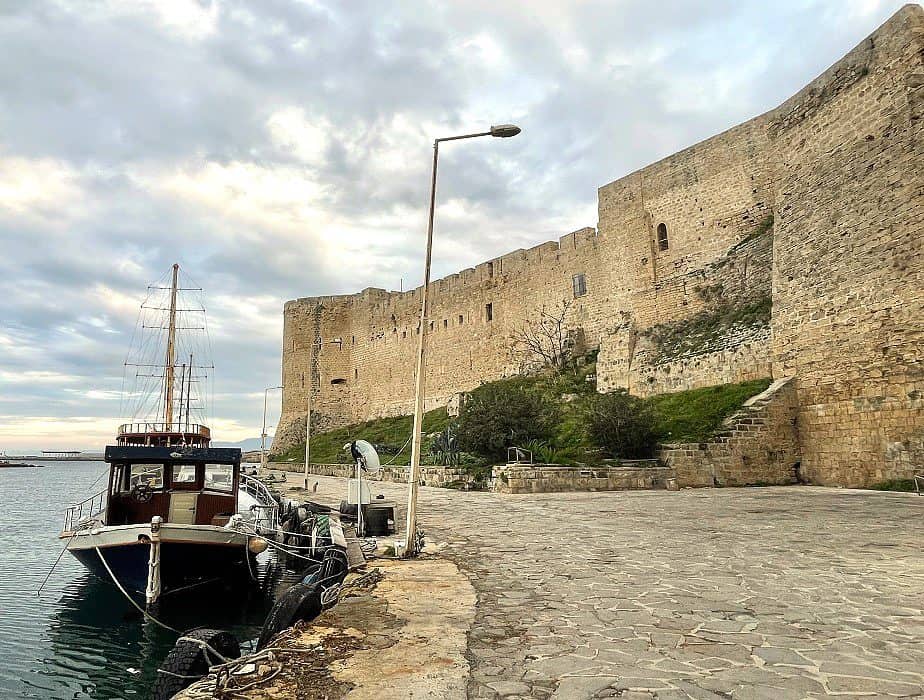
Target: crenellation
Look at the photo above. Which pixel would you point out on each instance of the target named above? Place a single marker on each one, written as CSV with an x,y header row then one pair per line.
x,y
791,245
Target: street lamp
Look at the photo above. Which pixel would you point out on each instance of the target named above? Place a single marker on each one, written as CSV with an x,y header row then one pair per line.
x,y
263,436
317,349
500,131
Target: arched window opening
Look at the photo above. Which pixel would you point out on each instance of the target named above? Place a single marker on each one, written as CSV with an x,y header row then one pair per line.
x,y
663,243
338,381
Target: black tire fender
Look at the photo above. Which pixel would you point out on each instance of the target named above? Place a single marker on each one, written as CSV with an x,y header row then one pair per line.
x,y
301,602
188,661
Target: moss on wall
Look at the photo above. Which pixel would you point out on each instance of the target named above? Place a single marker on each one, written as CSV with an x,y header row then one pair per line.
x,y
706,331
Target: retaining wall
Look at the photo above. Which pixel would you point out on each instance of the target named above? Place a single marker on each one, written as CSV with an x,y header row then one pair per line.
x,y
429,476
550,478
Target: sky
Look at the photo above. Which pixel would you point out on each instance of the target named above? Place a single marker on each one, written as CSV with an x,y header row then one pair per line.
x,y
281,148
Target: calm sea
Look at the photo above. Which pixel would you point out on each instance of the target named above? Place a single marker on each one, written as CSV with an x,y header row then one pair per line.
x,y
80,638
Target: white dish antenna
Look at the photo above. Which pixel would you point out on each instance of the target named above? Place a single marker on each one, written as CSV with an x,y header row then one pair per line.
x,y
368,457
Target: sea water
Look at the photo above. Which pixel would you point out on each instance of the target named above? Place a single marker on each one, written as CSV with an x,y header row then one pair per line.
x,y
80,638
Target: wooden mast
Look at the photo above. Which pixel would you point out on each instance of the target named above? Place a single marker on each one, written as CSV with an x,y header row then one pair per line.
x,y
171,351
188,392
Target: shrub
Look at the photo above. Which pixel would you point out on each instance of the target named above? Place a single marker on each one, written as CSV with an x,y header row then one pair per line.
x,y
503,414
622,425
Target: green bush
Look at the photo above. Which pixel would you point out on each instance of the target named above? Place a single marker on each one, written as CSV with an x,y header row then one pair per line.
x,y
622,424
503,414
895,485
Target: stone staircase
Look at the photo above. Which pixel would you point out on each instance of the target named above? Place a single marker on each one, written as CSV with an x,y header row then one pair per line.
x,y
757,445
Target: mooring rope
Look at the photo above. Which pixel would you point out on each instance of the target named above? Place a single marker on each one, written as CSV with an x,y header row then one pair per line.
x,y
132,600
51,570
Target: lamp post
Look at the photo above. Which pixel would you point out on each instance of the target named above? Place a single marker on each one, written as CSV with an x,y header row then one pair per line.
x,y
317,351
266,391
501,131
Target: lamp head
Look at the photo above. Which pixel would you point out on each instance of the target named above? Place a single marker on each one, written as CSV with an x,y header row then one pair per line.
x,y
505,131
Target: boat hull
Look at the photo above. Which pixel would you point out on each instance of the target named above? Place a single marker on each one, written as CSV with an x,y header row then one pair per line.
x,y
190,555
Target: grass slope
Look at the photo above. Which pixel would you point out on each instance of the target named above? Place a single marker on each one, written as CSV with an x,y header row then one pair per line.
x,y
387,434
685,416
697,414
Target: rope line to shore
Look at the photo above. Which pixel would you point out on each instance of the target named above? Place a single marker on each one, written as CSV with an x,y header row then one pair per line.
x,y
132,600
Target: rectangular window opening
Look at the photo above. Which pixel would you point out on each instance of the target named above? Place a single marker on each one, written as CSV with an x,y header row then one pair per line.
x,y
579,284
489,312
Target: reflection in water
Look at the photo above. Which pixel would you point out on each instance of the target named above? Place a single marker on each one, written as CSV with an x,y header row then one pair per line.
x,y
101,646
81,638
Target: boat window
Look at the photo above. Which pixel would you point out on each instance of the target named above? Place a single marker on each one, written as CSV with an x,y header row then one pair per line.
x,y
148,474
219,477
184,474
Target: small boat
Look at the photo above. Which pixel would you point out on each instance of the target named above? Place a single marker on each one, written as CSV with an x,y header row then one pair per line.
x,y
176,513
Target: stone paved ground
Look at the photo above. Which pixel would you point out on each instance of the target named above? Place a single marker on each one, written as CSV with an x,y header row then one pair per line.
x,y
773,593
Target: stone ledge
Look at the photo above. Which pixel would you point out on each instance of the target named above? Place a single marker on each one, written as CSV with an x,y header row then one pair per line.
x,y
429,475
553,478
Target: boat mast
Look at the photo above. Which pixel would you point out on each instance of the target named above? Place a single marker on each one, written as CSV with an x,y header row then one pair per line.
x,y
188,391
171,351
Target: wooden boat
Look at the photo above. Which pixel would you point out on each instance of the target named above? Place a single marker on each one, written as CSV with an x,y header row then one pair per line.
x,y
176,513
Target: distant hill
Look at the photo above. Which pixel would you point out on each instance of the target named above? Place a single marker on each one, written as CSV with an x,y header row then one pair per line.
x,y
246,445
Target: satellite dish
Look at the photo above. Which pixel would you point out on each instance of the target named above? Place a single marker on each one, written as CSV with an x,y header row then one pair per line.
x,y
367,456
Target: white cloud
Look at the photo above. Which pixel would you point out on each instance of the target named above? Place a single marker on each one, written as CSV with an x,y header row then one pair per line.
x,y
42,190
291,130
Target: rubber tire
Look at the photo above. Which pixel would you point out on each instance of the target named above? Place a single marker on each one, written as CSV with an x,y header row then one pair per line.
x,y
334,569
188,659
301,602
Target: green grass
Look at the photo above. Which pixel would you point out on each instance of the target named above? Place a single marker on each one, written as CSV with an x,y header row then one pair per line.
x,y
697,414
895,485
685,416
387,434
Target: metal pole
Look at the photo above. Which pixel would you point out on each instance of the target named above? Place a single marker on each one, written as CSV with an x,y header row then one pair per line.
x,y
308,435
317,350
414,472
360,529
410,543
263,434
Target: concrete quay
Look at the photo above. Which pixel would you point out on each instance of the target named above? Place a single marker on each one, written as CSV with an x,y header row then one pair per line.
x,y
778,592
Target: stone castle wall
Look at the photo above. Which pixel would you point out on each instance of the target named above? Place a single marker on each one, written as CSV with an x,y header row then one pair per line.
x,y
836,167
848,277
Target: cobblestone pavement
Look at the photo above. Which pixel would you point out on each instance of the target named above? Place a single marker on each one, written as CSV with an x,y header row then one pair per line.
x,y
773,593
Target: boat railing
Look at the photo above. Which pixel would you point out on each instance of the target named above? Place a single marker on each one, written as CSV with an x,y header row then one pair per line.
x,y
266,516
81,514
171,428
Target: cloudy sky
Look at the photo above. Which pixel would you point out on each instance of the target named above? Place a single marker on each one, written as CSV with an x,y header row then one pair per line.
x,y
281,148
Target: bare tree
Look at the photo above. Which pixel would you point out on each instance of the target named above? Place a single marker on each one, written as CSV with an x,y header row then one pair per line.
x,y
544,339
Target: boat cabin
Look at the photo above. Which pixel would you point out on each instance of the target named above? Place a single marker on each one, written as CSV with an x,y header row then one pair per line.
x,y
183,485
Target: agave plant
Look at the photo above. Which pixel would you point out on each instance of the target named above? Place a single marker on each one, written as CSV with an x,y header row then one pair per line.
x,y
444,448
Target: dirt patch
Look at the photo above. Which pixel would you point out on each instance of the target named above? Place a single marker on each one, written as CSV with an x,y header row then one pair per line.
x,y
400,634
